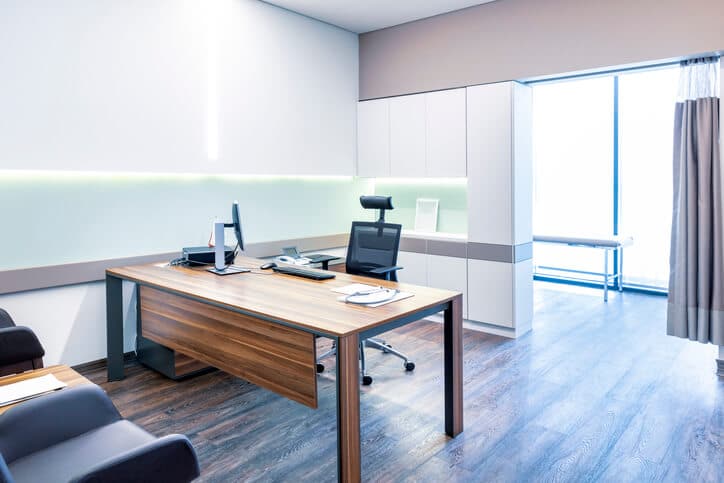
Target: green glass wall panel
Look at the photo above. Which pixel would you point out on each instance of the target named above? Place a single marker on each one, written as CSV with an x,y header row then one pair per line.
x,y
53,218
453,206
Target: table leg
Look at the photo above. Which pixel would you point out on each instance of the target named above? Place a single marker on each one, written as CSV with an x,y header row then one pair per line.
x,y
348,435
605,275
114,327
454,367
620,269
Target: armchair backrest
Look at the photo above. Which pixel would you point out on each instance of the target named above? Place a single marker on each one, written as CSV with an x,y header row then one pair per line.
x,y
373,245
5,320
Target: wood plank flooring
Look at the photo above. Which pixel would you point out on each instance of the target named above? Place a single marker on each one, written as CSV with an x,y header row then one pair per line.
x,y
596,392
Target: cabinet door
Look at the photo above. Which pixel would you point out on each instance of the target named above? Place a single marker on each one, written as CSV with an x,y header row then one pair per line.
x,y
373,138
449,273
407,136
415,268
490,164
490,292
445,134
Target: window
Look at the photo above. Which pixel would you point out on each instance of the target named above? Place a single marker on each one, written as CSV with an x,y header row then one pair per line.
x,y
602,150
646,122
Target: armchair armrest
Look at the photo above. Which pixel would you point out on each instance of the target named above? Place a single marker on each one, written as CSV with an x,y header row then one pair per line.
x,y
19,344
169,459
5,476
385,270
48,420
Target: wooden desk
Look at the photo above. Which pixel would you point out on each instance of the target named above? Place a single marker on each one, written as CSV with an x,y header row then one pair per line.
x,y
63,373
260,326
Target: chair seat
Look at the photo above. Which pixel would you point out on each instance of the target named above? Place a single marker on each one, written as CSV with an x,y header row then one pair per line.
x,y
76,456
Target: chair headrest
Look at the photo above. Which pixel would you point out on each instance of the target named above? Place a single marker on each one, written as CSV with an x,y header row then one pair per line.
x,y
376,202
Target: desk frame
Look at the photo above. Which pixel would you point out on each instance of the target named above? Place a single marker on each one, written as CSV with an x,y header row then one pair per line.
x,y
348,372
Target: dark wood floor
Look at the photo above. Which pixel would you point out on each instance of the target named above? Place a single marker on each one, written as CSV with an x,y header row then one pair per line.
x,y
596,392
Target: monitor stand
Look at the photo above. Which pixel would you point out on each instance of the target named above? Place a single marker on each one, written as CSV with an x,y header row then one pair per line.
x,y
231,269
220,267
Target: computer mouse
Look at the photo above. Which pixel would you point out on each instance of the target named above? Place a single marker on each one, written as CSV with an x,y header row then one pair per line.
x,y
267,266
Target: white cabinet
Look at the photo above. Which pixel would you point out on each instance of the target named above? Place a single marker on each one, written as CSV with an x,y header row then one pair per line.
x,y
500,169
373,138
490,295
446,134
501,294
449,273
407,136
500,189
415,268
413,136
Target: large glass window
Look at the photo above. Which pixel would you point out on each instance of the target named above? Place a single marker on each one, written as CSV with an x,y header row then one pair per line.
x,y
646,120
602,150
573,172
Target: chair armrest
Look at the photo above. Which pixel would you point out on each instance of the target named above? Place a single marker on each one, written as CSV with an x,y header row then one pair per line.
x,y
47,420
384,270
19,344
169,459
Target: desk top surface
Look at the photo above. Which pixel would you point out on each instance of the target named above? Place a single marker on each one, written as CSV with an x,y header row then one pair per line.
x,y
298,301
63,373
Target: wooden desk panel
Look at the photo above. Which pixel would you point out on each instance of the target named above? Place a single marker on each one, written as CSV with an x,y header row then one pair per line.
x,y
278,358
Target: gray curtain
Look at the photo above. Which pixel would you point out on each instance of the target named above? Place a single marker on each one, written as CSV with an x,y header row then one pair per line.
x,y
696,282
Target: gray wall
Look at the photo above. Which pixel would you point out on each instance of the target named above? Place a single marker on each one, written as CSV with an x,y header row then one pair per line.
x,y
518,39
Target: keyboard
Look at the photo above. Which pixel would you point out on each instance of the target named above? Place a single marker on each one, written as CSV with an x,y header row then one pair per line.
x,y
300,272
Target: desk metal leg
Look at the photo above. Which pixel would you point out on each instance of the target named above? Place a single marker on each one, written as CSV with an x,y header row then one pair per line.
x,y
114,327
348,435
454,367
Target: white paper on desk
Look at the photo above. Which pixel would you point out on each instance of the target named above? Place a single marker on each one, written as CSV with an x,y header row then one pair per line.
x,y
361,287
29,388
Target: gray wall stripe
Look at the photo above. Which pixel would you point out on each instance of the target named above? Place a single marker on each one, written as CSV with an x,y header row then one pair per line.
x,y
24,279
476,251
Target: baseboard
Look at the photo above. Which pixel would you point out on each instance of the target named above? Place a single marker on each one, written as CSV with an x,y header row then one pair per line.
x,y
101,363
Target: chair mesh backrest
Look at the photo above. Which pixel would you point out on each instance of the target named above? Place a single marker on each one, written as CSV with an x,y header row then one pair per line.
x,y
372,245
5,320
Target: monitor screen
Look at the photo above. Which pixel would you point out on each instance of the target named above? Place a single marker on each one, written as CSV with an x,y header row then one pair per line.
x,y
236,218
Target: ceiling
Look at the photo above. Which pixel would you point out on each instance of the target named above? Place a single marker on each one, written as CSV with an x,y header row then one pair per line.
x,y
361,16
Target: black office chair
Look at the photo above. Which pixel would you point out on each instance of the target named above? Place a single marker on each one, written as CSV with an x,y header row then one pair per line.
x,y
20,349
372,252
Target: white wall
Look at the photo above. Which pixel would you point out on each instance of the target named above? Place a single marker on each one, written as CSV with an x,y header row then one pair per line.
x,y
161,86
70,321
170,85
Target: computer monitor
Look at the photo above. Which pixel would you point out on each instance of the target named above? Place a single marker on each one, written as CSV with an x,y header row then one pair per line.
x,y
236,221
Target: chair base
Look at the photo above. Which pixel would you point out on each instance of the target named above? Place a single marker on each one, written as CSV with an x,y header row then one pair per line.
x,y
374,344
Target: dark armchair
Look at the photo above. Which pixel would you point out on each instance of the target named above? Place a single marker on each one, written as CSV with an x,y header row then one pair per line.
x,y
20,349
77,435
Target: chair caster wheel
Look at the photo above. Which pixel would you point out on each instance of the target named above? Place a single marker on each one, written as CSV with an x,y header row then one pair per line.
x,y
409,366
366,380
320,368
